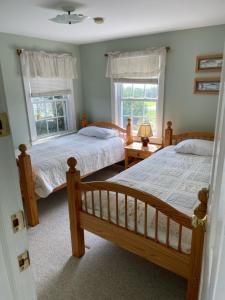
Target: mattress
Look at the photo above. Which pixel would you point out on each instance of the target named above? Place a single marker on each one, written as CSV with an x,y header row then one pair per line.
x,y
49,159
172,177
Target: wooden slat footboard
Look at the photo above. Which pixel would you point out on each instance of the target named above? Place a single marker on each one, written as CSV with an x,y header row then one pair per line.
x,y
105,221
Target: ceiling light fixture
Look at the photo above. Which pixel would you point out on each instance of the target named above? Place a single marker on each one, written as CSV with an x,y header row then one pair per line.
x,y
69,18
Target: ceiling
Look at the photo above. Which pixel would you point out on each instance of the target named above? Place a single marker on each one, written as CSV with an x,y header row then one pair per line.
x,y
123,18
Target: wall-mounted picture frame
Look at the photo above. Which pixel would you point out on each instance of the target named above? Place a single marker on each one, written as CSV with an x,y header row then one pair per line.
x,y
209,63
207,86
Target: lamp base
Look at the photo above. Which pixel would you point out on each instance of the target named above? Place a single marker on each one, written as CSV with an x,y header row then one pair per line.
x,y
144,141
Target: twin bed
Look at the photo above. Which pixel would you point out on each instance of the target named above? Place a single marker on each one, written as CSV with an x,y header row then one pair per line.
x,y
146,209
43,170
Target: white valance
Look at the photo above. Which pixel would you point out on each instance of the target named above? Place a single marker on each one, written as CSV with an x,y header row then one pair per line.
x,y
39,87
48,65
144,64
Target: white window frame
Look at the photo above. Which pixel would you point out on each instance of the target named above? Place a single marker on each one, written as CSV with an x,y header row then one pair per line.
x,y
71,119
115,105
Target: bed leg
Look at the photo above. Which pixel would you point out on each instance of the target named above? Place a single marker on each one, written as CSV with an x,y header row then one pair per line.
x,y
168,135
197,244
129,138
75,206
27,186
196,258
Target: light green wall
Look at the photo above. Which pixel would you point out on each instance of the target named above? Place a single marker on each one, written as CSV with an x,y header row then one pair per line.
x,y
187,111
92,90
13,84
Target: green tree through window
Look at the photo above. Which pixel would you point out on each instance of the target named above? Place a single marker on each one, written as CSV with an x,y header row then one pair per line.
x,y
139,101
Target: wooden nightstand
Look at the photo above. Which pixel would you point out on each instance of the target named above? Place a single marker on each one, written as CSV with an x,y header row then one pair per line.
x,y
137,152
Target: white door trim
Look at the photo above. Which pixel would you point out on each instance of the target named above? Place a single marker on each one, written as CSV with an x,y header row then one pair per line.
x,y
18,285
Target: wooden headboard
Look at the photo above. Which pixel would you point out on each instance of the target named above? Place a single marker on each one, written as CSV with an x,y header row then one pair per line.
x,y
125,133
171,139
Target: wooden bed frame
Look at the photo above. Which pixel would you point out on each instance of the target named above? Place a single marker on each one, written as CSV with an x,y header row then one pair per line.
x,y
26,174
162,254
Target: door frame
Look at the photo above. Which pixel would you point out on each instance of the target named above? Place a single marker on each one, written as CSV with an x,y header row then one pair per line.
x,y
17,285
214,256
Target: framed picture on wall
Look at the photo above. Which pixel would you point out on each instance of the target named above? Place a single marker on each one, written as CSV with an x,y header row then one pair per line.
x,y
209,63
208,86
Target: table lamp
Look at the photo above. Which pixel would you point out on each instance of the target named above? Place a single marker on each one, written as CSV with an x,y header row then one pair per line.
x,y
145,131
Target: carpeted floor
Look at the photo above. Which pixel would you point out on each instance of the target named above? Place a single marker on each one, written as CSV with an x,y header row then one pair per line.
x,y
104,272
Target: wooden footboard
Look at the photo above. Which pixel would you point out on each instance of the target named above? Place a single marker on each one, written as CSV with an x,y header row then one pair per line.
x,y
84,216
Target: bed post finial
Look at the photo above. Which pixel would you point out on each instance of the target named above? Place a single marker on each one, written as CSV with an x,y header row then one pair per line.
x,y
201,210
22,148
169,125
75,206
129,138
168,135
83,120
72,162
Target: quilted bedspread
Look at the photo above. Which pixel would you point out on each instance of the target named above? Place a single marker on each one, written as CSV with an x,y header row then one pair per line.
x,y
172,177
49,159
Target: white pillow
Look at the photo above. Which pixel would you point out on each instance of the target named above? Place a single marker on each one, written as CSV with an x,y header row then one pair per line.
x,y
195,146
99,132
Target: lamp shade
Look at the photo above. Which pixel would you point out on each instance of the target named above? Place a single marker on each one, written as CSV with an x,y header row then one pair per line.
x,y
145,130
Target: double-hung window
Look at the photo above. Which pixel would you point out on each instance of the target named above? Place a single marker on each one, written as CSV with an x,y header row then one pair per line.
x,y
48,80
50,106
138,101
137,84
50,114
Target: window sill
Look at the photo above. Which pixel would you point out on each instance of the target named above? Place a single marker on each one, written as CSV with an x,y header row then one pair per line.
x,y
47,138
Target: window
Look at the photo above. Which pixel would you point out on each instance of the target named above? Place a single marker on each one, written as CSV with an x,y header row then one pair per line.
x,y
48,85
50,107
50,115
139,101
137,88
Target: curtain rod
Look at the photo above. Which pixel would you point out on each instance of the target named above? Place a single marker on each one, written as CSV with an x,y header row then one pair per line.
x,y
167,49
19,51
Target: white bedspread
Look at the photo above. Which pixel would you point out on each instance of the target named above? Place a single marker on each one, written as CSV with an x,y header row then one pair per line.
x,y
172,177
49,160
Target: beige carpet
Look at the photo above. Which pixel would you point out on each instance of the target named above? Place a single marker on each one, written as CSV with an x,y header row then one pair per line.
x,y
104,272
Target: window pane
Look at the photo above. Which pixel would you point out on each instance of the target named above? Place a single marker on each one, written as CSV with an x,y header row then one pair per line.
x,y
136,121
62,124
124,120
60,108
137,108
47,98
50,109
126,107
151,91
41,127
52,125
139,90
150,113
127,90
39,110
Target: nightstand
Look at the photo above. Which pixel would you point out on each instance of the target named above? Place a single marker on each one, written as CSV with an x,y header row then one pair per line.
x,y
136,152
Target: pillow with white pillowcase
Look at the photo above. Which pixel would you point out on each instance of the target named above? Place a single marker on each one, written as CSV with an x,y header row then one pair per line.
x,y
98,132
195,146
